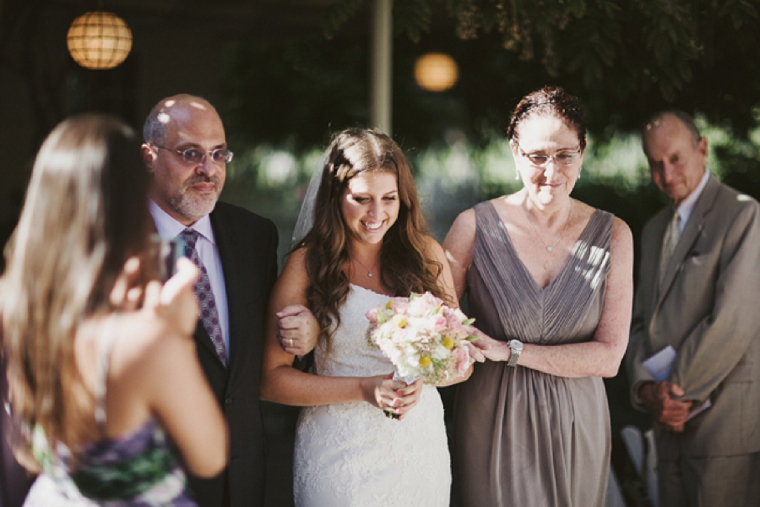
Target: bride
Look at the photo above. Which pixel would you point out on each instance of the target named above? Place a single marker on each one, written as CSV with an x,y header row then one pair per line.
x,y
367,243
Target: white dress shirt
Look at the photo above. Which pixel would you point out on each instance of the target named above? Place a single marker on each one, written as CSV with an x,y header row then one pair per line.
x,y
169,228
687,206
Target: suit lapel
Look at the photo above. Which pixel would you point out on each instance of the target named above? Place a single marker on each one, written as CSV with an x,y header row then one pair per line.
x,y
690,234
202,337
239,285
226,255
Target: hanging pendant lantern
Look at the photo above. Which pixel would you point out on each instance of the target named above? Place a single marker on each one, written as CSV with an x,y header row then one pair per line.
x,y
99,40
436,72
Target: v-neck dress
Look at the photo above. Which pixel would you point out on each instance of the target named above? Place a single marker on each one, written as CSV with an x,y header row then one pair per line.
x,y
521,436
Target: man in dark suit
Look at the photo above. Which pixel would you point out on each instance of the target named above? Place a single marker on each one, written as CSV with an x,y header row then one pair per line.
x,y
186,151
698,293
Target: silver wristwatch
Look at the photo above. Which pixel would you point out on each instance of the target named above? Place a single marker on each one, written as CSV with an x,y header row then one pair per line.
x,y
516,347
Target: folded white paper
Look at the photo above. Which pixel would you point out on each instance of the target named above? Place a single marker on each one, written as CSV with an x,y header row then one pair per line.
x,y
659,364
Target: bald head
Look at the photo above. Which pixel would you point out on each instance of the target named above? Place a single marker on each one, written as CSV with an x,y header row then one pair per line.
x,y
670,117
187,188
177,108
676,152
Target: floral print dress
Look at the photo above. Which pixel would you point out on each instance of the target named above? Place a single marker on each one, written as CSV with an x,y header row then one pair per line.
x,y
137,470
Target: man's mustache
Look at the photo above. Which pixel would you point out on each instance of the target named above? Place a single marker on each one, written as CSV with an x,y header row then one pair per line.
x,y
203,178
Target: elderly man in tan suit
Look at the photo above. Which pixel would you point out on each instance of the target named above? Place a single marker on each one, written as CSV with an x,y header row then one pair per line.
x,y
699,292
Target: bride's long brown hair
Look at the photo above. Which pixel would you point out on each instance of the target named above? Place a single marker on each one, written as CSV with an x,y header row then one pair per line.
x,y
85,213
405,265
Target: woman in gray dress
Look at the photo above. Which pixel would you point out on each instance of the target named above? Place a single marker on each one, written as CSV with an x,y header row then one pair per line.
x,y
550,285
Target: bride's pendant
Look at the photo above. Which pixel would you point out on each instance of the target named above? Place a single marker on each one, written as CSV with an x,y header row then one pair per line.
x,y
369,271
548,249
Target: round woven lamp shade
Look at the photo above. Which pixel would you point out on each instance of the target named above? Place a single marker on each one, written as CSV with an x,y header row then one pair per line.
x,y
436,72
99,40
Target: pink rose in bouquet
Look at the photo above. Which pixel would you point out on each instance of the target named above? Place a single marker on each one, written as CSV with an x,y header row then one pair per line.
x,y
422,337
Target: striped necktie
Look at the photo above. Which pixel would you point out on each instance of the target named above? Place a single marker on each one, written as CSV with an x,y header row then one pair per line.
x,y
669,242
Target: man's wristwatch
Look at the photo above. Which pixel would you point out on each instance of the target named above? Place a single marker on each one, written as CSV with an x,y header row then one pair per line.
x,y
516,347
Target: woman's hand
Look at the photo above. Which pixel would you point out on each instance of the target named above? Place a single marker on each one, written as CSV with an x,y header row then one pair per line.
x,y
127,291
175,300
297,330
476,354
493,350
391,396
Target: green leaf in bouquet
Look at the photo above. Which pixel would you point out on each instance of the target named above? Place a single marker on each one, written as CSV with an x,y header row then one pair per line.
x,y
391,415
468,322
472,338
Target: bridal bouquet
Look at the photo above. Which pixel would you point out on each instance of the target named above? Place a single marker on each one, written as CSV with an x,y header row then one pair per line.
x,y
422,337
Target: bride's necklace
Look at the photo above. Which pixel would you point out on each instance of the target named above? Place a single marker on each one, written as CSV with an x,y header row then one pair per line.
x,y
369,271
549,248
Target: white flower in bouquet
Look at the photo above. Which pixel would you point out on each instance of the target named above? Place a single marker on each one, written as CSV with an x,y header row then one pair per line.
x,y
422,337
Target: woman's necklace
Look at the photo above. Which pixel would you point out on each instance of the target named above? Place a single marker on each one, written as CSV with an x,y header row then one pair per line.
x,y
549,248
369,271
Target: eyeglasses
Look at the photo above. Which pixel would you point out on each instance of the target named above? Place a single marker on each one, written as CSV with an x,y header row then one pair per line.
x,y
561,158
197,156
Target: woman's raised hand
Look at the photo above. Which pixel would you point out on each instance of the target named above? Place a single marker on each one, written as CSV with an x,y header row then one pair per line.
x,y
391,396
127,292
175,300
297,330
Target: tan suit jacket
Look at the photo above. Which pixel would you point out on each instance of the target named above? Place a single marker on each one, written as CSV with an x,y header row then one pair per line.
x,y
708,309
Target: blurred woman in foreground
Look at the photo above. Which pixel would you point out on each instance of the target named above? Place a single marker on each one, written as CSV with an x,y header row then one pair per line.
x,y
101,365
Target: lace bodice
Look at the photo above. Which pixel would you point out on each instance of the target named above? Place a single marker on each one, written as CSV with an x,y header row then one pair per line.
x,y
348,355
350,454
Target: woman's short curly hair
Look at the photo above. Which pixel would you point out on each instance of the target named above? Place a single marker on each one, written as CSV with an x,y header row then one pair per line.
x,y
549,100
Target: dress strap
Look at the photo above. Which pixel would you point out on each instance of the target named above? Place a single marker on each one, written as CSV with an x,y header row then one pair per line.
x,y
104,355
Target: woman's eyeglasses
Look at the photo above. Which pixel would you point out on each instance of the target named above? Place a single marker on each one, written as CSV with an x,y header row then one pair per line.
x,y
561,158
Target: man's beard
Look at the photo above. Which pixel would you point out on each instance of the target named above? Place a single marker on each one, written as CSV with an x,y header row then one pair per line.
x,y
193,206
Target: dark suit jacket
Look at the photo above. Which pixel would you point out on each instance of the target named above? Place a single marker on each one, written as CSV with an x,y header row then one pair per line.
x,y
707,309
247,246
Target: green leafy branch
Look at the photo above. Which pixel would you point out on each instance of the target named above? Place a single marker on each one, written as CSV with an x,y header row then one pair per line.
x,y
644,43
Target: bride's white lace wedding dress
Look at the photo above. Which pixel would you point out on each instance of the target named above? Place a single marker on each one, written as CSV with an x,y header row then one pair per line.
x,y
351,454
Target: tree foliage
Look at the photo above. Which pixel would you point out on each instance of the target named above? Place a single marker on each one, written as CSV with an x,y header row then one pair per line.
x,y
695,54
412,17
293,92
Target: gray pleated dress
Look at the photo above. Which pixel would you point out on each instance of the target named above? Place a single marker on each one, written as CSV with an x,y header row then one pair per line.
x,y
522,437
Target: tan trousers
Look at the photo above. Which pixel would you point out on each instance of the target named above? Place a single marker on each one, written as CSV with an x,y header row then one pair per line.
x,y
724,481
